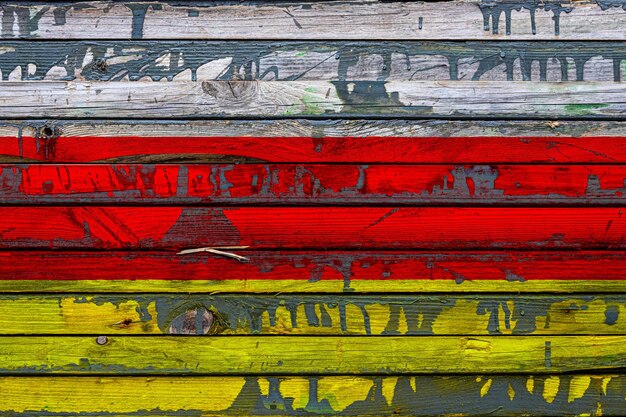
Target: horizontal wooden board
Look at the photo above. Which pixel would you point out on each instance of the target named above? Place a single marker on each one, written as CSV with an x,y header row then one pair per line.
x,y
426,99
285,184
581,20
327,271
470,395
293,355
312,60
283,314
314,141
180,228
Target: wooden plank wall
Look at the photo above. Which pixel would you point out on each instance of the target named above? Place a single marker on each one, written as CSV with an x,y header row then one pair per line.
x,y
399,208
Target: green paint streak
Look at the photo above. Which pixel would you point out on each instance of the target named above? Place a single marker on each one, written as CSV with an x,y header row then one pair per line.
x,y
584,109
311,105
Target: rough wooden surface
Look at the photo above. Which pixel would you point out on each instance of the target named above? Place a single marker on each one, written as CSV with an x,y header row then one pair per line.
x,y
460,19
322,271
284,314
426,99
108,170
312,129
312,61
470,395
310,355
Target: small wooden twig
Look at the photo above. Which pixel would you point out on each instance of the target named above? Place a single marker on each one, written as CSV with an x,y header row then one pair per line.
x,y
218,251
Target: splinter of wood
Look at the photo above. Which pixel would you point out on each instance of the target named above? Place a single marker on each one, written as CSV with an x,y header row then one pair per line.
x,y
218,251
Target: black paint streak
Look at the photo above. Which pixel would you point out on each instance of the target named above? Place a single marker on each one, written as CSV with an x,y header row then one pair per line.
x,y
256,60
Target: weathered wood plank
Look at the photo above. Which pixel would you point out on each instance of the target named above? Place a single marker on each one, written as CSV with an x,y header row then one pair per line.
x,y
314,141
580,20
327,271
312,61
312,228
293,355
437,99
234,184
89,314
470,395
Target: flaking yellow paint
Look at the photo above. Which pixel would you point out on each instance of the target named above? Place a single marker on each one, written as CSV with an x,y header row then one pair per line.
x,y
511,392
577,387
450,319
105,316
264,386
530,384
117,395
551,388
484,390
389,386
605,383
298,390
334,390
284,286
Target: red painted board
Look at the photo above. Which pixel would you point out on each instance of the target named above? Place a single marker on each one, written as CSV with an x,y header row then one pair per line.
x,y
315,266
312,184
427,150
312,228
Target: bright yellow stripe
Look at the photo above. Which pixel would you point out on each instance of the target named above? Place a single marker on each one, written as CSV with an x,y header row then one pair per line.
x,y
578,394
276,286
312,315
311,355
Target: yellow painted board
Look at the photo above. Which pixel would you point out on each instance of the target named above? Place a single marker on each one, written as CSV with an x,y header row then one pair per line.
x,y
469,395
310,354
302,286
309,314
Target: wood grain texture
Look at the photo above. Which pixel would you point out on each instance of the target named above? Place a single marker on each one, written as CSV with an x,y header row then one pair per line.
x,y
314,141
434,99
315,355
312,61
283,314
470,395
584,20
312,228
327,271
285,184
